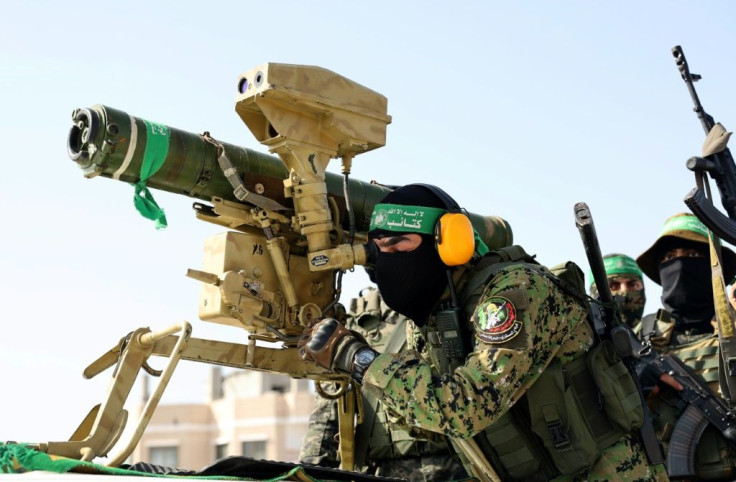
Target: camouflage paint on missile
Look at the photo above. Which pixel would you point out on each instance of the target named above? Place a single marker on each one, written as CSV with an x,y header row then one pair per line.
x,y
111,143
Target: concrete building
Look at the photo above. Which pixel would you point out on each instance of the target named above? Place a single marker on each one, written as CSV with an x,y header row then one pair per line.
x,y
259,415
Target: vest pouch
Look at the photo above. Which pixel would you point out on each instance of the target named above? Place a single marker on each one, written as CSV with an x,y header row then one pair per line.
x,y
390,439
558,419
512,447
621,399
702,357
380,441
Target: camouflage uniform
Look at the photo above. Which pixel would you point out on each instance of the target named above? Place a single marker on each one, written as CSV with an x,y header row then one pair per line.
x,y
529,392
390,451
523,324
697,348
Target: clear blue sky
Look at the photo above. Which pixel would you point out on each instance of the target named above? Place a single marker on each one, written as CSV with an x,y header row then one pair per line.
x,y
518,109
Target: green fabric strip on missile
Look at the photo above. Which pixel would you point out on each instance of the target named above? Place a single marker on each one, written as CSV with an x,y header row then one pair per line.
x,y
154,155
480,247
18,458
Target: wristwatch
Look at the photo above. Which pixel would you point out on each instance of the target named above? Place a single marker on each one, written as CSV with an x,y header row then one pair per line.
x,y
361,361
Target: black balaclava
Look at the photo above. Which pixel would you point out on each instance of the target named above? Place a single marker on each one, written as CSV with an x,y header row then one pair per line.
x,y
686,286
410,283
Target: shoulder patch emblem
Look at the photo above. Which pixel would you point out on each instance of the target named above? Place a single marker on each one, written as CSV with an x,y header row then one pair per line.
x,y
495,320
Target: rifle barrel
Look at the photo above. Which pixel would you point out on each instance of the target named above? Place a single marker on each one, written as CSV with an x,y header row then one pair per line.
x,y
705,119
584,223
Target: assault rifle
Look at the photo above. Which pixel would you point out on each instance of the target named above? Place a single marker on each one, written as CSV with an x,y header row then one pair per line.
x,y
703,406
608,325
716,161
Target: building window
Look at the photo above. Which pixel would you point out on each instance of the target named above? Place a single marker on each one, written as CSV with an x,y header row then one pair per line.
x,y
220,451
276,384
255,449
165,456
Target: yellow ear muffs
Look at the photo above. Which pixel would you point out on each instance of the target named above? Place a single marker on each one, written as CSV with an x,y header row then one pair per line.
x,y
455,239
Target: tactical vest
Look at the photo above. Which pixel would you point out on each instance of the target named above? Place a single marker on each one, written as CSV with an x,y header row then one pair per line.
x,y
572,412
379,437
700,352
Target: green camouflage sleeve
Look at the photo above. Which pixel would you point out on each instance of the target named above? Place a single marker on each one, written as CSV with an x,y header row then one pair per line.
x,y
523,321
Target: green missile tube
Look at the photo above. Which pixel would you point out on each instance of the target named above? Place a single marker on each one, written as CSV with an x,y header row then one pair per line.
x,y
108,142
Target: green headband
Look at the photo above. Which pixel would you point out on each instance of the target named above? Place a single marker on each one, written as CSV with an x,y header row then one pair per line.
x,y
684,223
405,219
617,265
414,219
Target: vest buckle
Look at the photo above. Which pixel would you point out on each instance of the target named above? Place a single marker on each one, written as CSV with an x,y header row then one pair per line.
x,y
559,435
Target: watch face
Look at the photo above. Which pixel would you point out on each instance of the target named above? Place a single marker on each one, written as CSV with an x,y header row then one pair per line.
x,y
364,357
361,361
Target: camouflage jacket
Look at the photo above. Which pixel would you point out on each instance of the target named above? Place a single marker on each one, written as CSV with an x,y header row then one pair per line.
x,y
522,323
391,450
